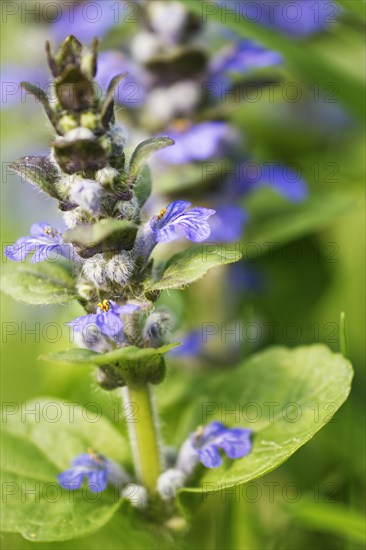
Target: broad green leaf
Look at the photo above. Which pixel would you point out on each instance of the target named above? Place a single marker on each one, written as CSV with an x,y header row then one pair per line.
x,y
41,283
276,221
143,186
284,395
103,236
334,518
124,530
142,152
36,447
191,264
128,356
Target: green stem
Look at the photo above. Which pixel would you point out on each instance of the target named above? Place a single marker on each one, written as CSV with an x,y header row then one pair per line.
x,y
144,436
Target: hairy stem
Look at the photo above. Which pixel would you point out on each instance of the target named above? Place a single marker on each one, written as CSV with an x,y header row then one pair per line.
x,y
144,435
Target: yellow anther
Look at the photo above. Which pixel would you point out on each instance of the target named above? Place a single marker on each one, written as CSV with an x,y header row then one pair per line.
x,y
104,306
161,213
50,231
181,124
198,433
94,455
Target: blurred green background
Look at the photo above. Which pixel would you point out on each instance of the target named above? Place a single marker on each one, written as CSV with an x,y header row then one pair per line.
x,y
311,292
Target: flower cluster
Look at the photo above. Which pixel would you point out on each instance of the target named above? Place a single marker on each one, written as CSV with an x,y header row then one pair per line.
x,y
106,252
203,446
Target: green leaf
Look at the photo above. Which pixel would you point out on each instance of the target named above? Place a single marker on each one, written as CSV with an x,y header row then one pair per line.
x,y
123,356
104,236
190,265
35,451
106,113
74,356
41,283
142,152
284,395
143,186
356,7
276,221
41,96
130,365
39,171
131,354
333,518
343,339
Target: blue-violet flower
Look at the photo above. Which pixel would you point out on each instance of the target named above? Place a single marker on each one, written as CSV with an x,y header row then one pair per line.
x,y
173,221
43,241
205,443
98,470
107,320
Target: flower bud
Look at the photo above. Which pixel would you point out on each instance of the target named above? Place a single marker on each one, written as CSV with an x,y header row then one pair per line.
x,y
91,338
106,176
86,290
75,217
89,120
87,194
169,483
157,328
136,494
67,123
94,270
129,210
120,268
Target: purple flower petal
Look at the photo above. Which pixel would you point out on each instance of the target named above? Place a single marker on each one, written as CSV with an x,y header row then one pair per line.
x,y
98,470
109,323
198,143
295,18
178,219
243,56
97,480
227,224
87,20
210,456
235,442
71,479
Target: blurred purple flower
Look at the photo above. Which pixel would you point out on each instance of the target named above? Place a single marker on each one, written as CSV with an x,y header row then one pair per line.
x,y
199,142
227,224
87,20
97,469
242,277
242,57
284,179
298,18
11,77
205,443
191,345
132,89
